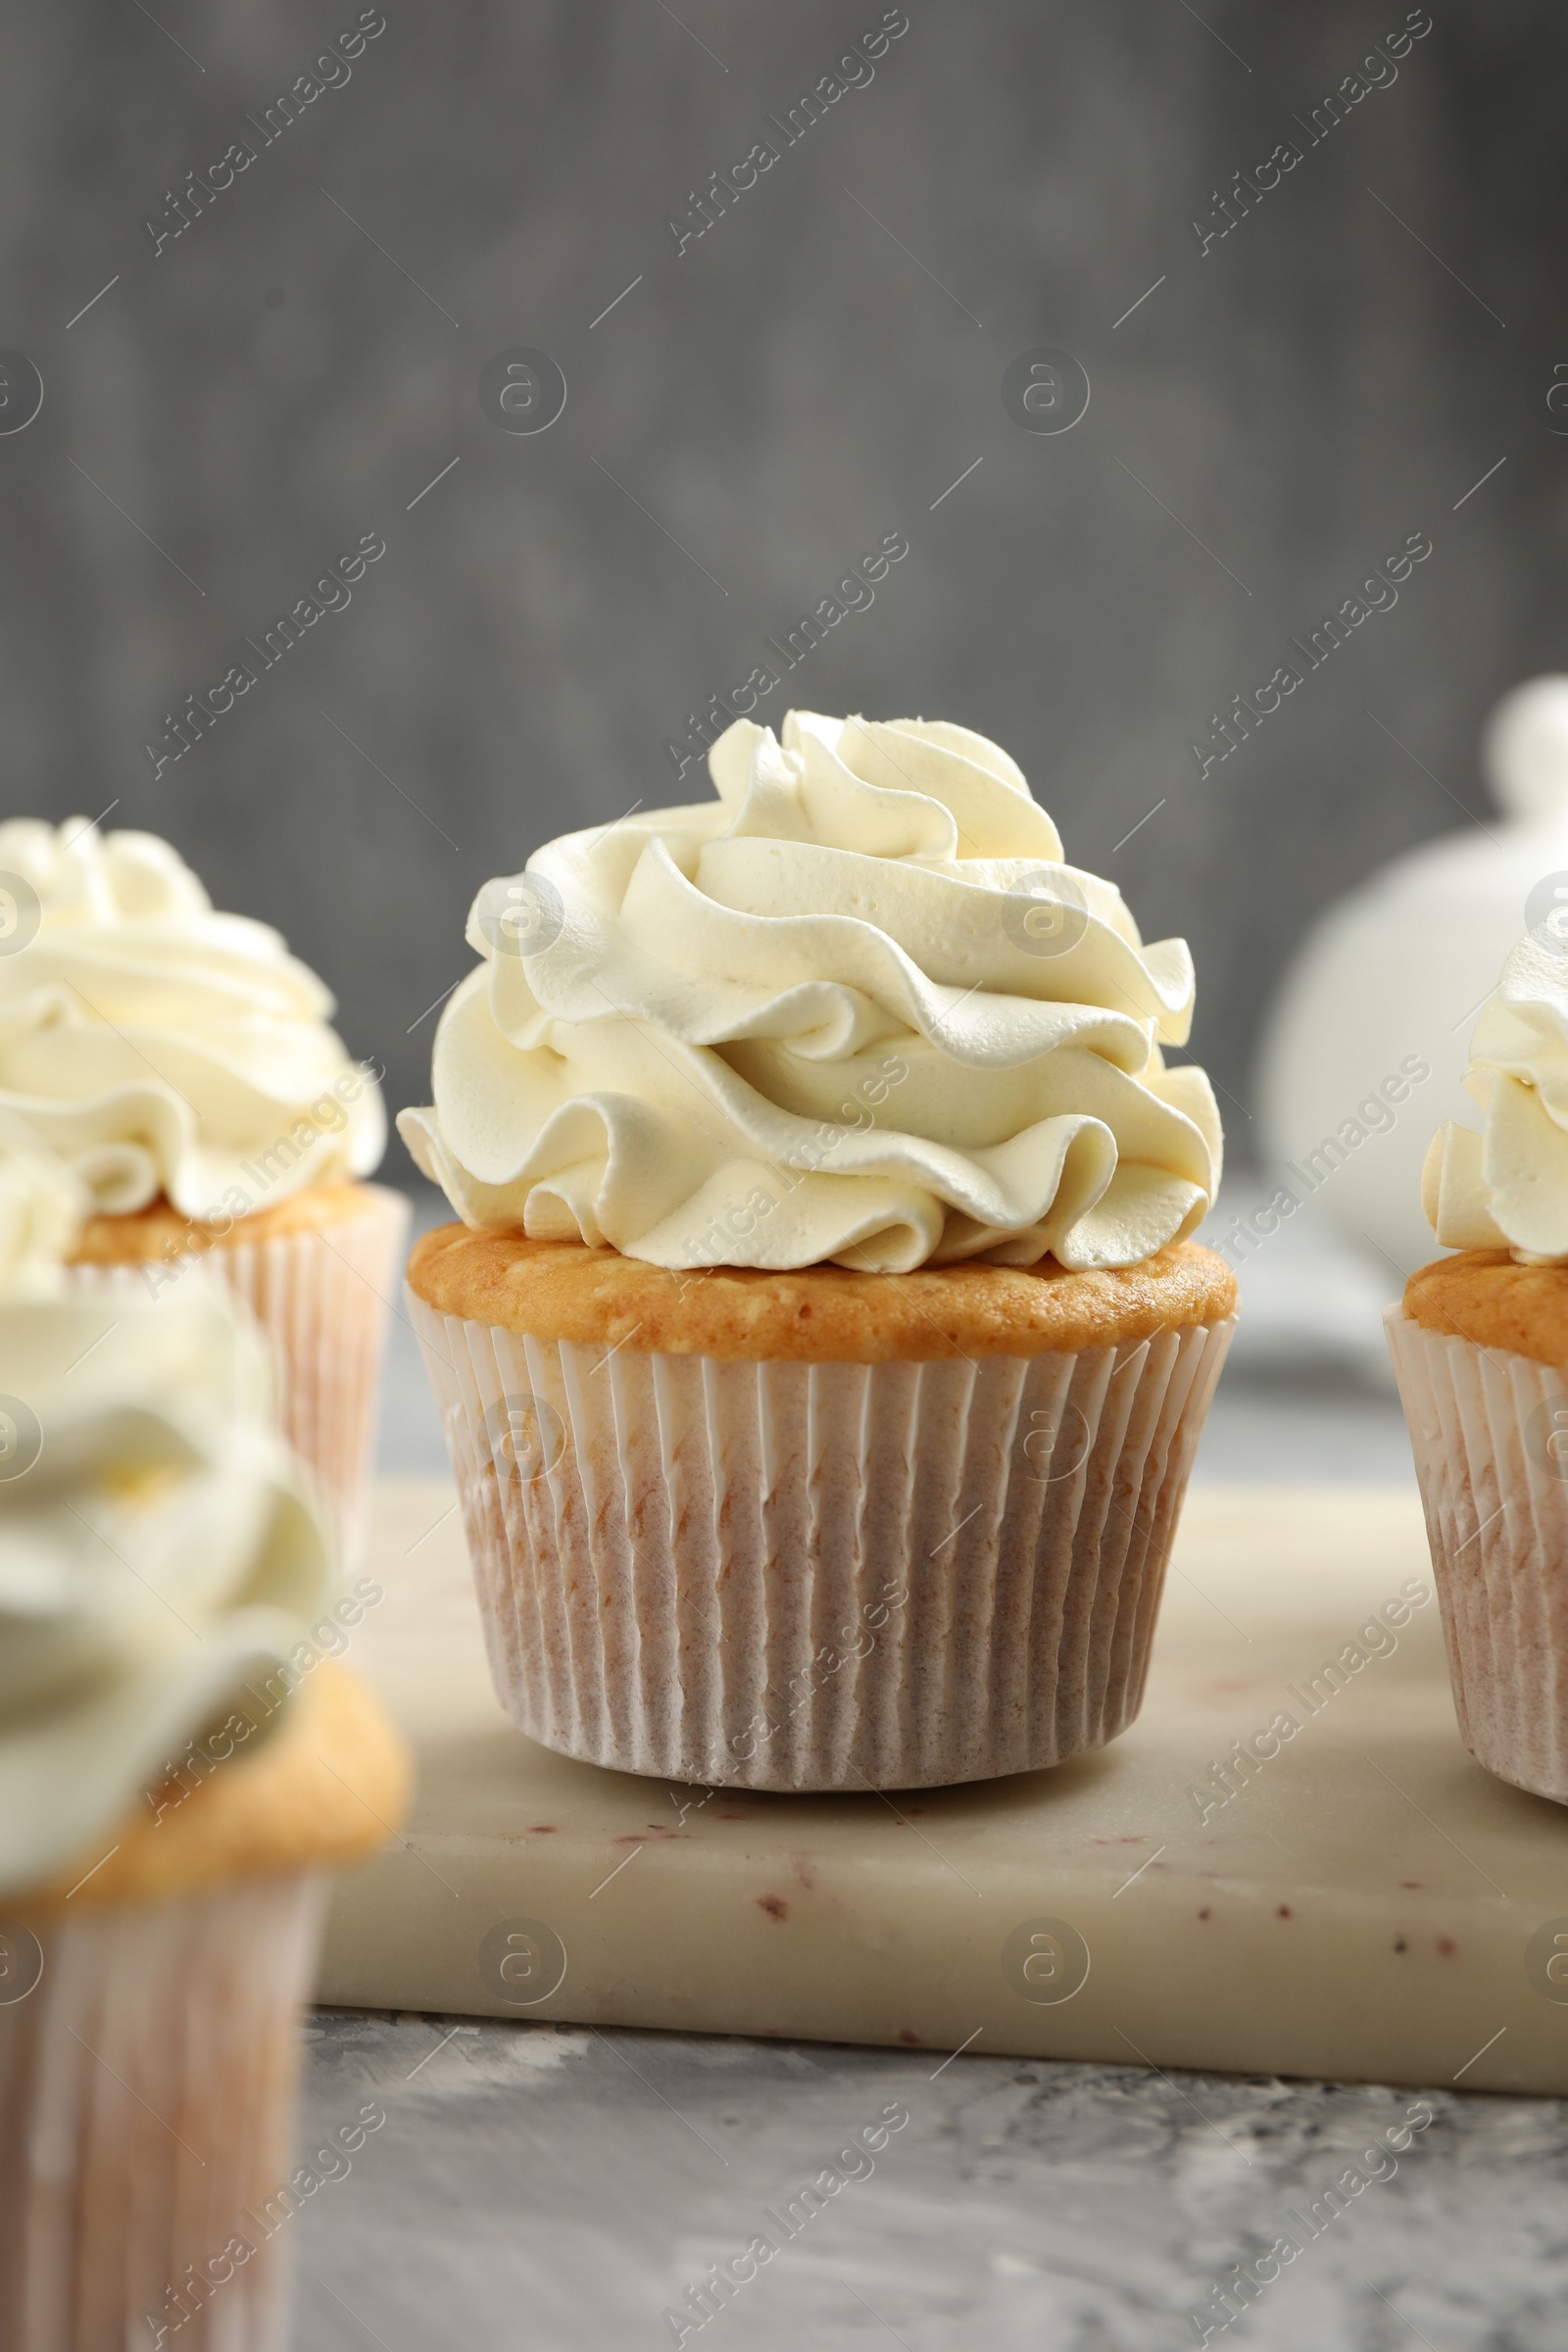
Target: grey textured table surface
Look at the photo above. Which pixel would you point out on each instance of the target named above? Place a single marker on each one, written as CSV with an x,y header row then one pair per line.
x,y
537,2186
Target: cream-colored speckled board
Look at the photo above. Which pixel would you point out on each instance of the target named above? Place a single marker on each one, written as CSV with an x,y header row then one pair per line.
x,y
1367,1903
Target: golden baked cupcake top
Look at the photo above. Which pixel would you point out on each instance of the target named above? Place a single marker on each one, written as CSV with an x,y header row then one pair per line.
x,y
159,1231
818,1314
857,1009
321,1790
1485,1295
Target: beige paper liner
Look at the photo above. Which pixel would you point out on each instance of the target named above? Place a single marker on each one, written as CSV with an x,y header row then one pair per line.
x,y
324,1296
147,2094
1497,1516
670,1573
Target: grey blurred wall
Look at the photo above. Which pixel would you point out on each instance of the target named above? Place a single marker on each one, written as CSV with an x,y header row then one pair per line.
x,y
280,379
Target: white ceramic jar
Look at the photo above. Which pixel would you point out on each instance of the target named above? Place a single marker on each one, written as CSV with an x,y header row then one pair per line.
x,y
1394,975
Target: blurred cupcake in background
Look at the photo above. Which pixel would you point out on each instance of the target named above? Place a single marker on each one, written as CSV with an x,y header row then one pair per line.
x,y
822,1353
1480,1347
42,1205
180,1062
173,1786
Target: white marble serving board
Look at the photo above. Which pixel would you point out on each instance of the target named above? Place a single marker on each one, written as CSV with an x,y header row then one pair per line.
x,y
1369,1905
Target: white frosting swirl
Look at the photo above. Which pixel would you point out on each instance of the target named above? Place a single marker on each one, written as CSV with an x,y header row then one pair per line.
x,y
156,1552
41,1207
855,1010
1507,1187
157,1046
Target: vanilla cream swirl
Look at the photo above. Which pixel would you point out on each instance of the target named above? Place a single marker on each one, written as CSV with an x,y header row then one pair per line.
x,y
1507,1187
158,1046
42,1208
157,1553
855,1010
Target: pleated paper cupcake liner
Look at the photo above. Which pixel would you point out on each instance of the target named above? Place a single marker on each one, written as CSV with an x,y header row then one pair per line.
x,y
824,1576
1490,1434
323,1295
147,2093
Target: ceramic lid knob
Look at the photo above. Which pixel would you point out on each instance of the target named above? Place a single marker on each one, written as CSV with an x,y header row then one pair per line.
x,y
1524,752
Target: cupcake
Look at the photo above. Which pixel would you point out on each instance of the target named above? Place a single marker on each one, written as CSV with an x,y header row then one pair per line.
x,y
822,1352
173,1786
1480,1348
179,1062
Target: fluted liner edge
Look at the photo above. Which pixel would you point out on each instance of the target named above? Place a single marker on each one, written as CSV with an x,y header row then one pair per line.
x,y
323,1298
1498,1526
818,1576
147,2096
